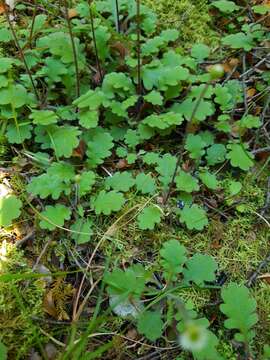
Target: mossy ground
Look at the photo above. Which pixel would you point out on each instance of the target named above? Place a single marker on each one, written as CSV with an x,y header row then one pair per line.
x,y
20,302
190,17
238,245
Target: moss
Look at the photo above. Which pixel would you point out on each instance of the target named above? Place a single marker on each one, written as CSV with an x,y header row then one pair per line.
x,y
190,17
19,301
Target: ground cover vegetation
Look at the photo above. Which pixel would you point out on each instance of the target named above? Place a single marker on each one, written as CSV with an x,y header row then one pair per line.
x,y
135,192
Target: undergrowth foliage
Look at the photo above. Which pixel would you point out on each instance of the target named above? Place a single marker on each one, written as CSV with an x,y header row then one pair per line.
x,y
103,93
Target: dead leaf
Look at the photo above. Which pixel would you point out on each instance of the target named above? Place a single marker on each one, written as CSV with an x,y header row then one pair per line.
x,y
97,78
257,110
265,277
235,130
192,127
72,13
2,9
262,156
251,92
80,150
229,66
49,305
186,166
119,47
233,62
122,164
132,334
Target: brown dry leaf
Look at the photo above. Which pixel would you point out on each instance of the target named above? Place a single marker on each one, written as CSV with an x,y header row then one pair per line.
x,y
265,277
49,305
119,47
235,130
262,156
186,166
2,9
72,13
132,334
230,65
191,128
122,164
227,68
97,78
251,92
80,150
233,62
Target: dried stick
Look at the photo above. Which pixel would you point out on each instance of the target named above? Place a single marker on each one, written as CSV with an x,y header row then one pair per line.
x,y
244,84
95,41
253,277
267,200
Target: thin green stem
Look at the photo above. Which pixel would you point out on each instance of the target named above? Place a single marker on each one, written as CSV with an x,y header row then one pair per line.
x,y
20,51
73,48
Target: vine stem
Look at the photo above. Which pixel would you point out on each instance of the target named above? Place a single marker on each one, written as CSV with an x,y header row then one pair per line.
x,y
139,87
20,51
32,25
65,4
117,16
95,41
179,158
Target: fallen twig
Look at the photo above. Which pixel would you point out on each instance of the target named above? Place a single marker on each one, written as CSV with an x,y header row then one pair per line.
x,y
24,239
253,277
254,67
267,200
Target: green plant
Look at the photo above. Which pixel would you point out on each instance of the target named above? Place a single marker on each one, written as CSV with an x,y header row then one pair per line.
x,y
135,284
10,209
241,313
111,120
165,74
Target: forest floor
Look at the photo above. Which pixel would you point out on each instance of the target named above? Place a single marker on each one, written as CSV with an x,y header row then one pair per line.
x,y
135,180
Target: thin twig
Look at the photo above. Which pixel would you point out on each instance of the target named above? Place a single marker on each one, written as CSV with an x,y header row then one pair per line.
x,y
179,159
95,41
253,67
42,253
24,239
73,48
20,51
261,150
196,107
253,277
82,305
244,84
267,200
75,306
32,25
139,87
